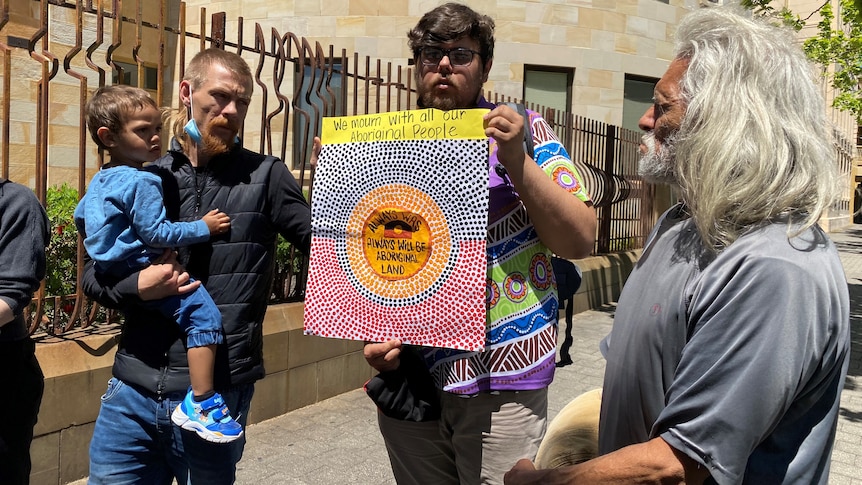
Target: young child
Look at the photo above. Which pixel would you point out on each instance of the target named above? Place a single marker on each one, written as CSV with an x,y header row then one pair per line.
x,y
123,221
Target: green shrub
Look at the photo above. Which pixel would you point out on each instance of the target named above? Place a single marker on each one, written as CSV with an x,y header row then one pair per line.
x,y
289,279
62,270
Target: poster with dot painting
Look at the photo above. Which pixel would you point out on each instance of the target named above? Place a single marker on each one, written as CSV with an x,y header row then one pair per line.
x,y
399,214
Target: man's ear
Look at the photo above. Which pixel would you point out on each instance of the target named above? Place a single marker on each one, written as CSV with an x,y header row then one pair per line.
x,y
486,69
106,136
185,93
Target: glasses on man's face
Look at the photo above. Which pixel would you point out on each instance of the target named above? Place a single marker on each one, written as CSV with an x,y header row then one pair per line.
x,y
459,56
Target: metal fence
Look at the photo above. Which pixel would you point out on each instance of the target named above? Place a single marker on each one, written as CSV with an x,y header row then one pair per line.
x,y
842,210
52,64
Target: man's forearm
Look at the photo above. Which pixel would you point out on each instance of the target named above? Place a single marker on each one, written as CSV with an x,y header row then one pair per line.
x,y
650,462
6,314
653,462
165,277
113,294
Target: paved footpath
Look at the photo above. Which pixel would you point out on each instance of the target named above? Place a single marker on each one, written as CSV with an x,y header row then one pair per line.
x,y
847,455
337,442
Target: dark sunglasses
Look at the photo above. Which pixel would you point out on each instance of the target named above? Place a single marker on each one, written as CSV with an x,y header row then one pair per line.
x,y
459,56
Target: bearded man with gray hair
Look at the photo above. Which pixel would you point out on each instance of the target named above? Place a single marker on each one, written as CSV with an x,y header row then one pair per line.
x,y
731,337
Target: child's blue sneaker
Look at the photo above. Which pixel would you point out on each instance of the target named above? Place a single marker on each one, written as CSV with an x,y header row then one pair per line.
x,y
210,419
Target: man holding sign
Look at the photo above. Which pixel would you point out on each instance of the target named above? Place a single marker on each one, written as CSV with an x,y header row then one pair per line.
x,y
494,402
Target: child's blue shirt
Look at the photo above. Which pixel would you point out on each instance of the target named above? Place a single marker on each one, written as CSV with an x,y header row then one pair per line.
x,y
123,220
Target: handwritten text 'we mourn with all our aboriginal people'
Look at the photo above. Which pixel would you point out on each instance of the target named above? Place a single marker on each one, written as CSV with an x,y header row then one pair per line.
x,y
402,125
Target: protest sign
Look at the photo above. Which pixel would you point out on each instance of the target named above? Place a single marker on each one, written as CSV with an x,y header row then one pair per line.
x,y
399,223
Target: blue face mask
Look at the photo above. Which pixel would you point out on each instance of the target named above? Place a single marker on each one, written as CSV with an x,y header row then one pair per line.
x,y
192,130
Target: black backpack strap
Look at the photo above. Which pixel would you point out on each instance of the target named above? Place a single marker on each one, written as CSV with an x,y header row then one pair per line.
x,y
528,129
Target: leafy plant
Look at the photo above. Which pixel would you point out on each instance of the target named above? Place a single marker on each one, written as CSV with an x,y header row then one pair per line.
x,y
618,245
841,47
283,260
62,254
835,45
784,15
289,279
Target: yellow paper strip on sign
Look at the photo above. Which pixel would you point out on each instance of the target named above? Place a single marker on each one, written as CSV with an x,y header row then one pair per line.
x,y
425,124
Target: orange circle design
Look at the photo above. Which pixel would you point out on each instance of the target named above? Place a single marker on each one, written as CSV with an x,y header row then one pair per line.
x,y
398,241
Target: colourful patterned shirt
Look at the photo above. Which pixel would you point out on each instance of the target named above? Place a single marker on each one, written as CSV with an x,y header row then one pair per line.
x,y
521,296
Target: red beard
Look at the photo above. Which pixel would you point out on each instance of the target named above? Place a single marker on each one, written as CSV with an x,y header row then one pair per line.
x,y
213,145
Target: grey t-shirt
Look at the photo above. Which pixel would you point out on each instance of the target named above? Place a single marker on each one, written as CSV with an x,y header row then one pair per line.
x,y
736,360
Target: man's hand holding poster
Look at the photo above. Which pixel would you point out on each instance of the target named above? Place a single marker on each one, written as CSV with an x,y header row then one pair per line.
x,y
399,218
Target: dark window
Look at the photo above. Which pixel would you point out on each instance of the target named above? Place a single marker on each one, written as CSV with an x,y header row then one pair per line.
x,y
320,94
130,76
637,98
550,87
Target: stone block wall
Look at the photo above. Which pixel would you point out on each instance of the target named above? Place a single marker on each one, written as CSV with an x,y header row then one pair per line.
x,y
602,279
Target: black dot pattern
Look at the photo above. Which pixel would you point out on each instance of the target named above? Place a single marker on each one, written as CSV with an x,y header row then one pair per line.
x,y
444,171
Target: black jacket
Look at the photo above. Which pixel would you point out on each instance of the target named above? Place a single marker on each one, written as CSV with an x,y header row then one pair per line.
x,y
24,233
262,199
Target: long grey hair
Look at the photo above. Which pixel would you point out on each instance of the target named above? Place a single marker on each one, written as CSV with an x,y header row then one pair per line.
x,y
754,144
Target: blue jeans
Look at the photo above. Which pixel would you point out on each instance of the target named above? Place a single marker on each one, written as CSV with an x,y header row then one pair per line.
x,y
196,313
135,442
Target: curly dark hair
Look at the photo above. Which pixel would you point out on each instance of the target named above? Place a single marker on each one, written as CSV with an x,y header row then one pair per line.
x,y
450,22
111,107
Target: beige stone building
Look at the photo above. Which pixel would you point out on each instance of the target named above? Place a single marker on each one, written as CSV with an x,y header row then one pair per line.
x,y
54,55
595,58
807,8
579,56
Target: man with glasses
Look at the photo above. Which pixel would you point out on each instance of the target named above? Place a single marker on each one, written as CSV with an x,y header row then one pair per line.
x,y
493,403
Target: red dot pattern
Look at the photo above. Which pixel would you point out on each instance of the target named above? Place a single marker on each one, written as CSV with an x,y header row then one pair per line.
x,y
449,318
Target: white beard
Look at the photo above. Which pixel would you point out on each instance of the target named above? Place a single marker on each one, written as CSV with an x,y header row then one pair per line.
x,y
658,167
